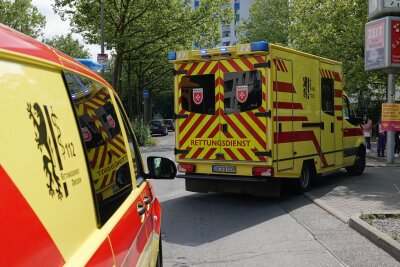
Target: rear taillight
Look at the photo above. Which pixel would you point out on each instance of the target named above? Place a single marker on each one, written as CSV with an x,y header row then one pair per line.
x,y
263,171
186,168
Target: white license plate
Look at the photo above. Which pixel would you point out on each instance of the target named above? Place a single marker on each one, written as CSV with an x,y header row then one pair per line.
x,y
224,169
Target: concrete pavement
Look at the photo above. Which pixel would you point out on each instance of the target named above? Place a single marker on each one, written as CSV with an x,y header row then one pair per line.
x,y
377,191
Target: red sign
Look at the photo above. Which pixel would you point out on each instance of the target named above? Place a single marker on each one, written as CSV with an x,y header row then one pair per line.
x,y
242,93
111,121
395,41
197,95
87,136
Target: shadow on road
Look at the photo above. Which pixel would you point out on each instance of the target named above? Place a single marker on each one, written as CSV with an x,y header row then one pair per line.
x,y
197,219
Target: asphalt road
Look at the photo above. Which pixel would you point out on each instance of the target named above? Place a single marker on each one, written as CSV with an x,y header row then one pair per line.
x,y
235,230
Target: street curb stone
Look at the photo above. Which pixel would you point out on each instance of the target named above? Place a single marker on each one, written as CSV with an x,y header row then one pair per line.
x,y
327,208
380,239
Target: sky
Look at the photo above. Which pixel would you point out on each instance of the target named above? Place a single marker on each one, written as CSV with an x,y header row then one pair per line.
x,y
55,26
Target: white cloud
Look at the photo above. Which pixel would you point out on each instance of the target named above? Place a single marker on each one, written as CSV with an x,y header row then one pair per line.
x,y
55,26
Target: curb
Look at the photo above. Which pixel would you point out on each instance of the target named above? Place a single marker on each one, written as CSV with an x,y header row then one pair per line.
x,y
326,207
377,237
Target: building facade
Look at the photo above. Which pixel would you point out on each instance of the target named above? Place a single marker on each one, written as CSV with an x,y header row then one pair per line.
x,y
241,11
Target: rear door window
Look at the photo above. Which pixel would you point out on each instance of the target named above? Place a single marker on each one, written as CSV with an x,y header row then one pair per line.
x,y
198,94
104,143
242,91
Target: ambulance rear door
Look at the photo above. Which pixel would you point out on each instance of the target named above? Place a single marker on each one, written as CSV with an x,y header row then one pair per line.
x,y
221,110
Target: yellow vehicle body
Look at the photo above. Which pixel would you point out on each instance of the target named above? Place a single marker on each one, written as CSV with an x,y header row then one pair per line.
x,y
255,112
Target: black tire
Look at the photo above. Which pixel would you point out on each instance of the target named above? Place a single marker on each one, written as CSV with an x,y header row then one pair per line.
x,y
358,166
159,255
306,177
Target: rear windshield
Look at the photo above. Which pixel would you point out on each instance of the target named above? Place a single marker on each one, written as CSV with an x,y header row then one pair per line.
x,y
198,93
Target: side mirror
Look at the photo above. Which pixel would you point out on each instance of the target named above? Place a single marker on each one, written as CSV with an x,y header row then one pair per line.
x,y
161,168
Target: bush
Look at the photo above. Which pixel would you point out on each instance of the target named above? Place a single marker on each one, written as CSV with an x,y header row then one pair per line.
x,y
141,131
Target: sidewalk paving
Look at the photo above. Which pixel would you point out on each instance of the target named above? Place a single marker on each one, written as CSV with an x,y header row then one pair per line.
x,y
377,191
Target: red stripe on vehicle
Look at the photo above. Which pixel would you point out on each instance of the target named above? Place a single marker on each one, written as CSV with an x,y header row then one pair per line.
x,y
103,155
204,67
228,135
337,77
248,64
215,69
338,93
191,130
222,67
128,237
186,121
251,130
182,67
244,154
102,256
300,136
230,153
215,131
284,87
233,63
284,66
278,67
197,153
259,123
288,105
210,153
24,239
234,127
192,68
339,118
352,132
206,126
338,107
94,159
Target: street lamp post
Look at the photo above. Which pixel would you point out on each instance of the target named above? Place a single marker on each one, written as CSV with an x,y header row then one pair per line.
x,y
102,33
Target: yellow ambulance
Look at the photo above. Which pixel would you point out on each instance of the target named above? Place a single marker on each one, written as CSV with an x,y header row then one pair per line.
x,y
250,114
73,187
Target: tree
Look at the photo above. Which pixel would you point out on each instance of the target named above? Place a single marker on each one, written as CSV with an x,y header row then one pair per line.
x,y
141,32
22,16
68,45
268,21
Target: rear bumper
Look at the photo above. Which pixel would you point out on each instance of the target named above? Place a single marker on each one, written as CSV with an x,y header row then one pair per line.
x,y
223,177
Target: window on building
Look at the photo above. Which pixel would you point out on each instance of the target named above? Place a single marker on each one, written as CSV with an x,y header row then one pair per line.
x,y
196,3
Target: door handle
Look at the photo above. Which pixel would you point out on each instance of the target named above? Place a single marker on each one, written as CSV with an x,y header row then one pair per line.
x,y
147,200
224,128
141,209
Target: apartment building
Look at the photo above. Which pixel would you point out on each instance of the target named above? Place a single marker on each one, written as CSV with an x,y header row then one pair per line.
x,y
229,33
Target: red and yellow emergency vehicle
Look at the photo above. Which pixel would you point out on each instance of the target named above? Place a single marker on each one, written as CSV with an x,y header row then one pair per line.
x,y
73,187
251,113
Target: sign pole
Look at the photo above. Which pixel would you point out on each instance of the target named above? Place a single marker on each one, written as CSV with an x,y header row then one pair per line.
x,y
390,134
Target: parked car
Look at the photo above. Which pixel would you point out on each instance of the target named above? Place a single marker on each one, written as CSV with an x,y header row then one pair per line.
x,y
158,127
74,189
170,124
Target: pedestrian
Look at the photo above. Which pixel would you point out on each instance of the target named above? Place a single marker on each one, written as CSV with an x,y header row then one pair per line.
x,y
397,144
367,130
381,140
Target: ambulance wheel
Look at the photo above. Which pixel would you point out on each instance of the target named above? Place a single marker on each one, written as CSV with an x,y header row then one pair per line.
x,y
359,164
159,254
306,176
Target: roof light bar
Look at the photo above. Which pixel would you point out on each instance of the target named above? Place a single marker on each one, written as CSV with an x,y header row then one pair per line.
x,y
171,55
259,46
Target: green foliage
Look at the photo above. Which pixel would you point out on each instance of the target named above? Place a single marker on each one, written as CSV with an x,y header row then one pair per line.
x,y
331,29
269,22
22,16
68,45
141,130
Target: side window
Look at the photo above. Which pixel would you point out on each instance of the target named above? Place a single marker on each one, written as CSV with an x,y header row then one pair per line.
x,y
198,94
242,91
348,112
104,143
327,96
